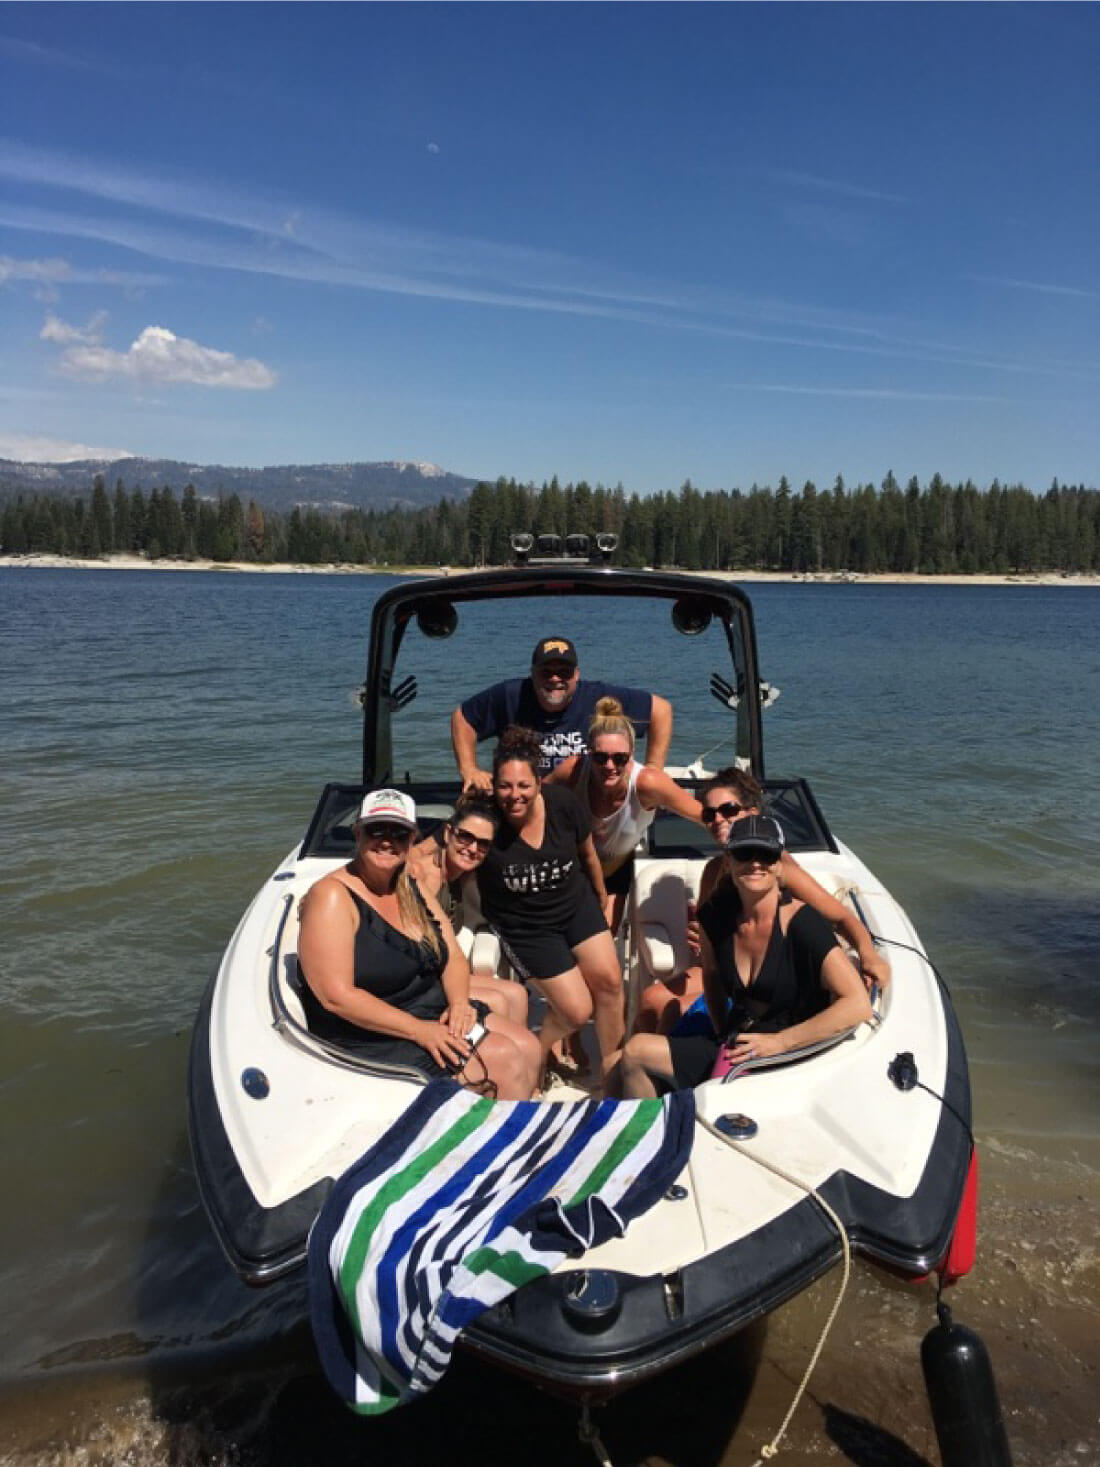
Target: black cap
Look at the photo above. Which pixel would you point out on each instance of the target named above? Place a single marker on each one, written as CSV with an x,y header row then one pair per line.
x,y
756,833
554,649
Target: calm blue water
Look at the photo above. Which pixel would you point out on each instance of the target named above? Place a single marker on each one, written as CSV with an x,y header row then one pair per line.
x,y
165,736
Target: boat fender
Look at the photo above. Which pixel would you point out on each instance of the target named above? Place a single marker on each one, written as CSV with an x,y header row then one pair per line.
x,y
962,1393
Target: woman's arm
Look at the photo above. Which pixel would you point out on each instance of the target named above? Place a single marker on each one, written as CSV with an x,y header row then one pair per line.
x,y
586,850
459,1015
804,888
657,791
326,948
425,865
850,1006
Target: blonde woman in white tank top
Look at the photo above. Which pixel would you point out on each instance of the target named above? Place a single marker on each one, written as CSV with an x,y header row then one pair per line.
x,y
622,797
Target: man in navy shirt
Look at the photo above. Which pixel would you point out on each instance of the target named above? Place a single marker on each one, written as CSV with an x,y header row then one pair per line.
x,y
558,705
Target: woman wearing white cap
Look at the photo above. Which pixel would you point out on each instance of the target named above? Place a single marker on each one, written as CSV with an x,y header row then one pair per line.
x,y
384,975
774,976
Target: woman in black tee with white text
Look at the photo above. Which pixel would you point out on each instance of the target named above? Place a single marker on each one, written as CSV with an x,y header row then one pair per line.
x,y
542,890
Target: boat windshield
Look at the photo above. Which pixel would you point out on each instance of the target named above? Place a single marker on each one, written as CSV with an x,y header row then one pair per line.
x,y
621,640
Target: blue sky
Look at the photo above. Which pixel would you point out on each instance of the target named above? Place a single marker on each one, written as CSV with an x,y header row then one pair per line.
x,y
615,242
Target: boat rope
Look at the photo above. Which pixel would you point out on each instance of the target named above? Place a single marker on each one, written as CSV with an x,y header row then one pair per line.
x,y
589,1434
771,1449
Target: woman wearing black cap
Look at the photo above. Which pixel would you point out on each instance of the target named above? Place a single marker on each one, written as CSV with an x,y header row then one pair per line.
x,y
774,976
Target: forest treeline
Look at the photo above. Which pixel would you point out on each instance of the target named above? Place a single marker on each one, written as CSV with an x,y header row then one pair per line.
x,y
937,528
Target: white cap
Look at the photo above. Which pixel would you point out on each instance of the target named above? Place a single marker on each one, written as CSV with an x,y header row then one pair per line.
x,y
387,807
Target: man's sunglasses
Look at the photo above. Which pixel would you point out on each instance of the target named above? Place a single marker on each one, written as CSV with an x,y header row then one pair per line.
x,y
467,841
397,835
728,811
620,761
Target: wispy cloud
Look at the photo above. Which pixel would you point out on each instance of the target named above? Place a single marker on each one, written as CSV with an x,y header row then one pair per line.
x,y
62,332
51,270
158,355
886,393
34,448
1042,287
838,186
30,52
55,272
228,228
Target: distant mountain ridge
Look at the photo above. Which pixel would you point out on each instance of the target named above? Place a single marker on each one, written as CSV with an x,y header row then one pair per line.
x,y
395,483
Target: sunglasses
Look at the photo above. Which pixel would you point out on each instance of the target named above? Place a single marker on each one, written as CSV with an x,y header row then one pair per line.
x,y
467,841
747,855
560,670
728,811
620,761
397,835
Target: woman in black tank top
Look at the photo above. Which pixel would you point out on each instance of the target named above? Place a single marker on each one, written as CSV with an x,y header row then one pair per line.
x,y
384,974
770,969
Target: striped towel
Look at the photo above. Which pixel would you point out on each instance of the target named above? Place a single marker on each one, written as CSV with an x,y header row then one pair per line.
x,y
460,1203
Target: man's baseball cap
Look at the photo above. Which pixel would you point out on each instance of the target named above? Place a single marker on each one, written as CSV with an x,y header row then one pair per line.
x,y
554,649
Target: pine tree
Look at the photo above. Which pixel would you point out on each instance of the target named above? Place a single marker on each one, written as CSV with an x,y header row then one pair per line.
x,y
123,535
102,526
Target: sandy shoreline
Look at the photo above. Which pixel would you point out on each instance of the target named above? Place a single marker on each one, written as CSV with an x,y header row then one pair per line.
x,y
136,562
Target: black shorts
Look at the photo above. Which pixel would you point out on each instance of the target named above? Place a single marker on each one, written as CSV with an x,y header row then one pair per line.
x,y
536,952
693,1057
618,883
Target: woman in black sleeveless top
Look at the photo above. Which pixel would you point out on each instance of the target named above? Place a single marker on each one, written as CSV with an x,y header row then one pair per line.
x,y
384,974
444,865
773,975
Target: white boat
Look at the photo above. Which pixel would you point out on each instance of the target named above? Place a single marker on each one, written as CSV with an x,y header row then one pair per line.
x,y
876,1124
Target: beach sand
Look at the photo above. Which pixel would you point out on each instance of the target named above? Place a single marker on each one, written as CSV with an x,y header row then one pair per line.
x,y
137,562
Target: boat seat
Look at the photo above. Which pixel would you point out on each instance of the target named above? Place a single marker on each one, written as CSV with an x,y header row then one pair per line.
x,y
291,987
657,946
477,939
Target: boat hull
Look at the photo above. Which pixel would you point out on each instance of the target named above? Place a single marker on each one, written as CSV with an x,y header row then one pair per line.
x,y
730,1243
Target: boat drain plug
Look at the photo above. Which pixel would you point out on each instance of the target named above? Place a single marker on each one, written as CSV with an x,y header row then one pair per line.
x,y
591,1301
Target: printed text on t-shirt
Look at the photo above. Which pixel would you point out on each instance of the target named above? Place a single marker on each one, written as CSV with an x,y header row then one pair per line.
x,y
540,876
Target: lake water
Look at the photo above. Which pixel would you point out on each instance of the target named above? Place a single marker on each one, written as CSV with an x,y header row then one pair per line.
x,y
164,738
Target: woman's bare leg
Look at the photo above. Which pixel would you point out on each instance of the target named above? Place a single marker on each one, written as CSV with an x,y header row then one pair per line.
x,y
505,998
664,1004
645,1056
568,1007
505,1064
599,966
